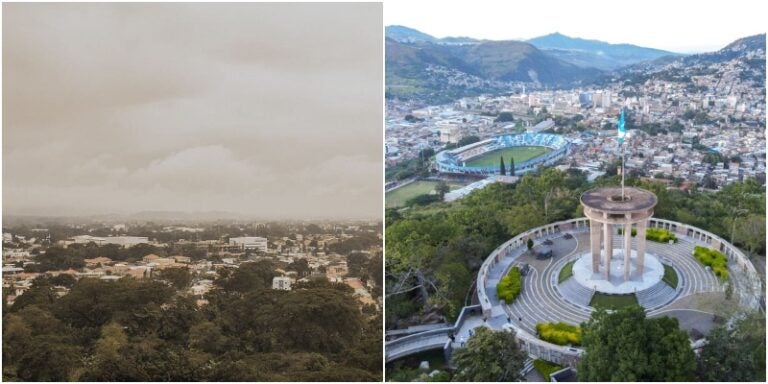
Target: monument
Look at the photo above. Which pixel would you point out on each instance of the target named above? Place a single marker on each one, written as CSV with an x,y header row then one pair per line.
x,y
608,207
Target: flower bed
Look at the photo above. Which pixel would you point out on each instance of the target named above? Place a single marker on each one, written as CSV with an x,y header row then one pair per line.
x,y
713,259
559,333
510,286
660,235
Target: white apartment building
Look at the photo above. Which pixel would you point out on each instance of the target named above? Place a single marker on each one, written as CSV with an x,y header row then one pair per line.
x,y
250,243
282,283
125,241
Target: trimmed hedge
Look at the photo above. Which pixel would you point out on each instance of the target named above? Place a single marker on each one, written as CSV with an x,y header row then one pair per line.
x,y
660,235
670,276
566,272
509,286
559,333
545,368
713,259
633,233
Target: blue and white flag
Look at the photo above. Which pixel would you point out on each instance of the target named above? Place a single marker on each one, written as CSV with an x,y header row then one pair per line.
x,y
622,130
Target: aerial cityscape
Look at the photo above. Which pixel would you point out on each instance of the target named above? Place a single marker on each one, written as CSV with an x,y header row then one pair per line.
x,y
177,206
563,191
561,208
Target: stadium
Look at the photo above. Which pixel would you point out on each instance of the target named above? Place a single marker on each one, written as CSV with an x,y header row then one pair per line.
x,y
538,149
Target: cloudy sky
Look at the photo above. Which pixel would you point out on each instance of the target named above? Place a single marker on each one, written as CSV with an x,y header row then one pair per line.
x,y
678,26
270,110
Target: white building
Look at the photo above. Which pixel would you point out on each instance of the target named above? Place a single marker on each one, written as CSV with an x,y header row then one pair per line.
x,y
125,241
281,282
250,242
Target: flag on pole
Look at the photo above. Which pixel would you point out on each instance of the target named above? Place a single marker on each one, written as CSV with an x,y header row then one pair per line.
x,y
622,130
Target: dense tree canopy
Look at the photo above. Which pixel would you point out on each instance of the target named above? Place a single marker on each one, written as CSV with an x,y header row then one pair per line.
x,y
736,353
467,140
625,346
423,241
489,356
144,330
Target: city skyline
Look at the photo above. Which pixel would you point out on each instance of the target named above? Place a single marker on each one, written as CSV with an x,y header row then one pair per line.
x,y
676,27
266,110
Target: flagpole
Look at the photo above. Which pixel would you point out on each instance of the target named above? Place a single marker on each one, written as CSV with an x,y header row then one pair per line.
x,y
622,133
622,171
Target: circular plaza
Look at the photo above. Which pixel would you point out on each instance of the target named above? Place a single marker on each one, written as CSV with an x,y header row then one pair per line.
x,y
618,253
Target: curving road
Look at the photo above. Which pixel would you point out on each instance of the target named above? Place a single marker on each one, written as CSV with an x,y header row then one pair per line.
x,y
541,301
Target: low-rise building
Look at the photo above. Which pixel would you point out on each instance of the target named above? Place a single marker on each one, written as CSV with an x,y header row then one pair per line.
x,y
250,243
282,283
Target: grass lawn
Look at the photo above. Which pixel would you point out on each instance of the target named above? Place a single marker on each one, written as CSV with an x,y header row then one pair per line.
x,y
545,368
566,272
603,300
670,276
520,154
398,197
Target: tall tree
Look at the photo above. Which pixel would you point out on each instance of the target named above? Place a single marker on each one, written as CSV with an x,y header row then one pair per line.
x,y
442,188
625,346
502,170
489,356
180,278
750,231
511,166
736,353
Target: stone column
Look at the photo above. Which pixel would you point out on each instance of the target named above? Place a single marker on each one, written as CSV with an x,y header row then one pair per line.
x,y
608,247
595,231
641,246
627,248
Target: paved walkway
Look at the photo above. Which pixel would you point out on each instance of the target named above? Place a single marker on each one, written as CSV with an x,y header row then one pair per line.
x,y
540,300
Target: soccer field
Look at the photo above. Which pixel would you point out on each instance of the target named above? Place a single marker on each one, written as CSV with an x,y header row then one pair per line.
x,y
398,197
520,154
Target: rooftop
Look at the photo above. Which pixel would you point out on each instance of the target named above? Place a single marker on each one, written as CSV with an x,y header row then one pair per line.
x,y
609,199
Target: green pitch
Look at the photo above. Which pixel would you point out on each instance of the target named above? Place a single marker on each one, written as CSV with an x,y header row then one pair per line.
x,y
398,197
520,154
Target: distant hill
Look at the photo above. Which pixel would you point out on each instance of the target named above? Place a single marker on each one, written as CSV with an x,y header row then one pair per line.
x,y
442,71
409,35
737,49
595,53
746,58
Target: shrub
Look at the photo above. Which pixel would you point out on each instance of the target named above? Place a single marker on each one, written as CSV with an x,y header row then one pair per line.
x,y
713,259
660,235
422,200
559,333
545,368
509,286
670,276
566,272
634,231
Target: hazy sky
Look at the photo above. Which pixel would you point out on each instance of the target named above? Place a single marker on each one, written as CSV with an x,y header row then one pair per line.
x,y
273,110
680,26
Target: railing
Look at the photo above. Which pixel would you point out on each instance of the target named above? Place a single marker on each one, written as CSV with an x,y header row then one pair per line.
x,y
463,316
749,295
561,354
749,291
513,243
421,336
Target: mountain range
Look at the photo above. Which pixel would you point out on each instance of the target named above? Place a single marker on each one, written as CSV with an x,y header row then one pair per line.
x,y
422,66
595,53
418,65
748,53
